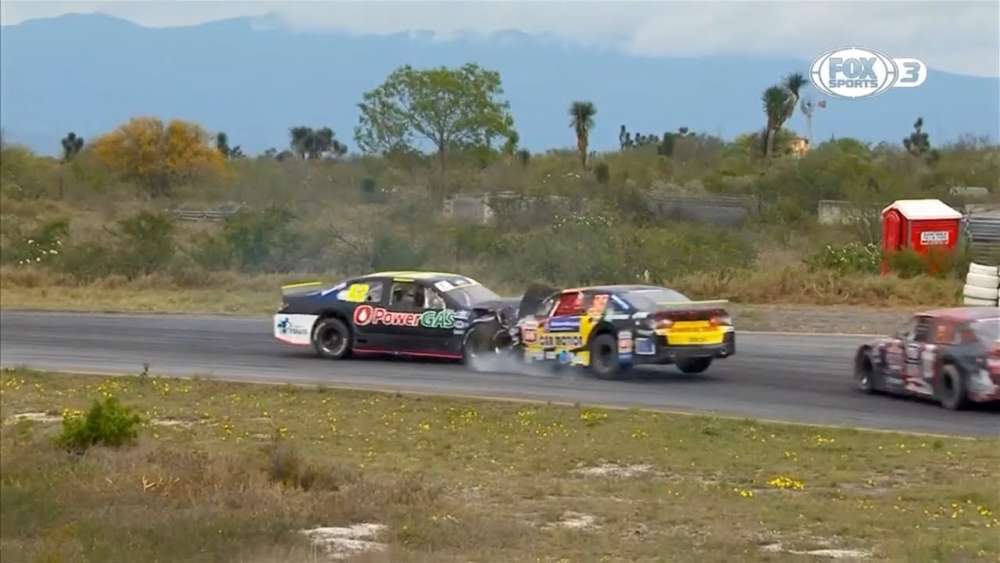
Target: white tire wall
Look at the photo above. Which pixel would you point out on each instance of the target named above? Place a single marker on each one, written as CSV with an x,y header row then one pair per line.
x,y
972,301
982,280
984,270
988,293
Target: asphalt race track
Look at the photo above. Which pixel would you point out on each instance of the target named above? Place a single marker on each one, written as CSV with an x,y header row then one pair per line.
x,y
779,377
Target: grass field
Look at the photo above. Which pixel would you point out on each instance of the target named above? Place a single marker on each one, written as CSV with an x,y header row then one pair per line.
x,y
232,472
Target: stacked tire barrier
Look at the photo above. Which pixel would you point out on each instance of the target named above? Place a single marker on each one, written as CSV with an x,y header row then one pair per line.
x,y
982,286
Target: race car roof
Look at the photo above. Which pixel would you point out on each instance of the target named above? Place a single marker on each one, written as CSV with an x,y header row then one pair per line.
x,y
415,275
615,288
964,313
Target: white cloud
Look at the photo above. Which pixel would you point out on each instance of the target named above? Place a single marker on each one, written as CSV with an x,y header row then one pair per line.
x,y
961,37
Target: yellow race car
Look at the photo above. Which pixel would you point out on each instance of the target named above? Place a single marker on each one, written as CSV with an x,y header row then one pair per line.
x,y
612,328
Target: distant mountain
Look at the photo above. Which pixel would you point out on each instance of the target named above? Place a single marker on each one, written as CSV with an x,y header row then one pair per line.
x,y
254,78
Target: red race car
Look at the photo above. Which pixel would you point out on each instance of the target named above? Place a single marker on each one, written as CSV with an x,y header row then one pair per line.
x,y
950,355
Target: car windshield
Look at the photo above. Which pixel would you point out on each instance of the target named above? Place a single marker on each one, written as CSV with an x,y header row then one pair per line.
x,y
988,330
469,295
645,299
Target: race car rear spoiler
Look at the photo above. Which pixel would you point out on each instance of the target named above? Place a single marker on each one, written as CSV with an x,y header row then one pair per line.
x,y
693,305
300,288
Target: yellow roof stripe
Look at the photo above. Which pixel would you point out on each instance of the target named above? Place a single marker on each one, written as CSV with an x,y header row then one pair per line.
x,y
303,284
411,274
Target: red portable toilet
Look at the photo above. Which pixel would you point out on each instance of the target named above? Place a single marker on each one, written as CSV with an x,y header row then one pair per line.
x,y
920,224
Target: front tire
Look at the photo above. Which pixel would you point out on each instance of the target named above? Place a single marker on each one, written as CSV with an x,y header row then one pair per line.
x,y
864,375
694,365
949,388
604,356
331,338
480,343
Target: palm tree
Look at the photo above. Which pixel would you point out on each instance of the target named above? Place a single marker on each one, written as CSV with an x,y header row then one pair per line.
x,y
794,82
222,144
71,145
779,105
775,101
582,121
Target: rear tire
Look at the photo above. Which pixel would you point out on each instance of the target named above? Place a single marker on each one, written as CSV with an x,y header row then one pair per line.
x,y
864,375
331,338
949,388
604,356
694,365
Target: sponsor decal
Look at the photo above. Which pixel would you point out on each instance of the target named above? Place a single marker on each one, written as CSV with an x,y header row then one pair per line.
x,y
354,294
564,324
294,329
528,334
561,340
624,343
365,315
856,72
644,346
285,326
933,238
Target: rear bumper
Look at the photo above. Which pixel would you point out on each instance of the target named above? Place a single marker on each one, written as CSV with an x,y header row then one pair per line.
x,y
654,350
982,388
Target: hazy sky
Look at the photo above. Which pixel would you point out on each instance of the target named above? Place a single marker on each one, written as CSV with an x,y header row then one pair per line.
x,y
955,36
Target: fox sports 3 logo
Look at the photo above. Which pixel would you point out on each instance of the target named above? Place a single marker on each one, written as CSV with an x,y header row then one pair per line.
x,y
856,72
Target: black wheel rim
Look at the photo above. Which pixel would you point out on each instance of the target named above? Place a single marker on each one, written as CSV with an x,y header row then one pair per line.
x,y
949,388
604,355
331,340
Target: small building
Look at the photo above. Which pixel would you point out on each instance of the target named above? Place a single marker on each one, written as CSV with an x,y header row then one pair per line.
x,y
921,224
798,146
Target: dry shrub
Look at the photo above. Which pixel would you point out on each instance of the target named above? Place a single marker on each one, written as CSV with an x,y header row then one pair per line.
x,y
287,466
27,277
797,285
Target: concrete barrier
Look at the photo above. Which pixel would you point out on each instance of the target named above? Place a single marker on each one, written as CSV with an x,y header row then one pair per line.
x,y
837,212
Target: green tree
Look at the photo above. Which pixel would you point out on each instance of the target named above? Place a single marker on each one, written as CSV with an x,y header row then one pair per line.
x,y
450,108
71,145
510,145
918,143
582,121
227,152
309,143
222,144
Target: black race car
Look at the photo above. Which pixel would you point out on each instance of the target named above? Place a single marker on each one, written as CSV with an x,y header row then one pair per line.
x,y
422,314
614,327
